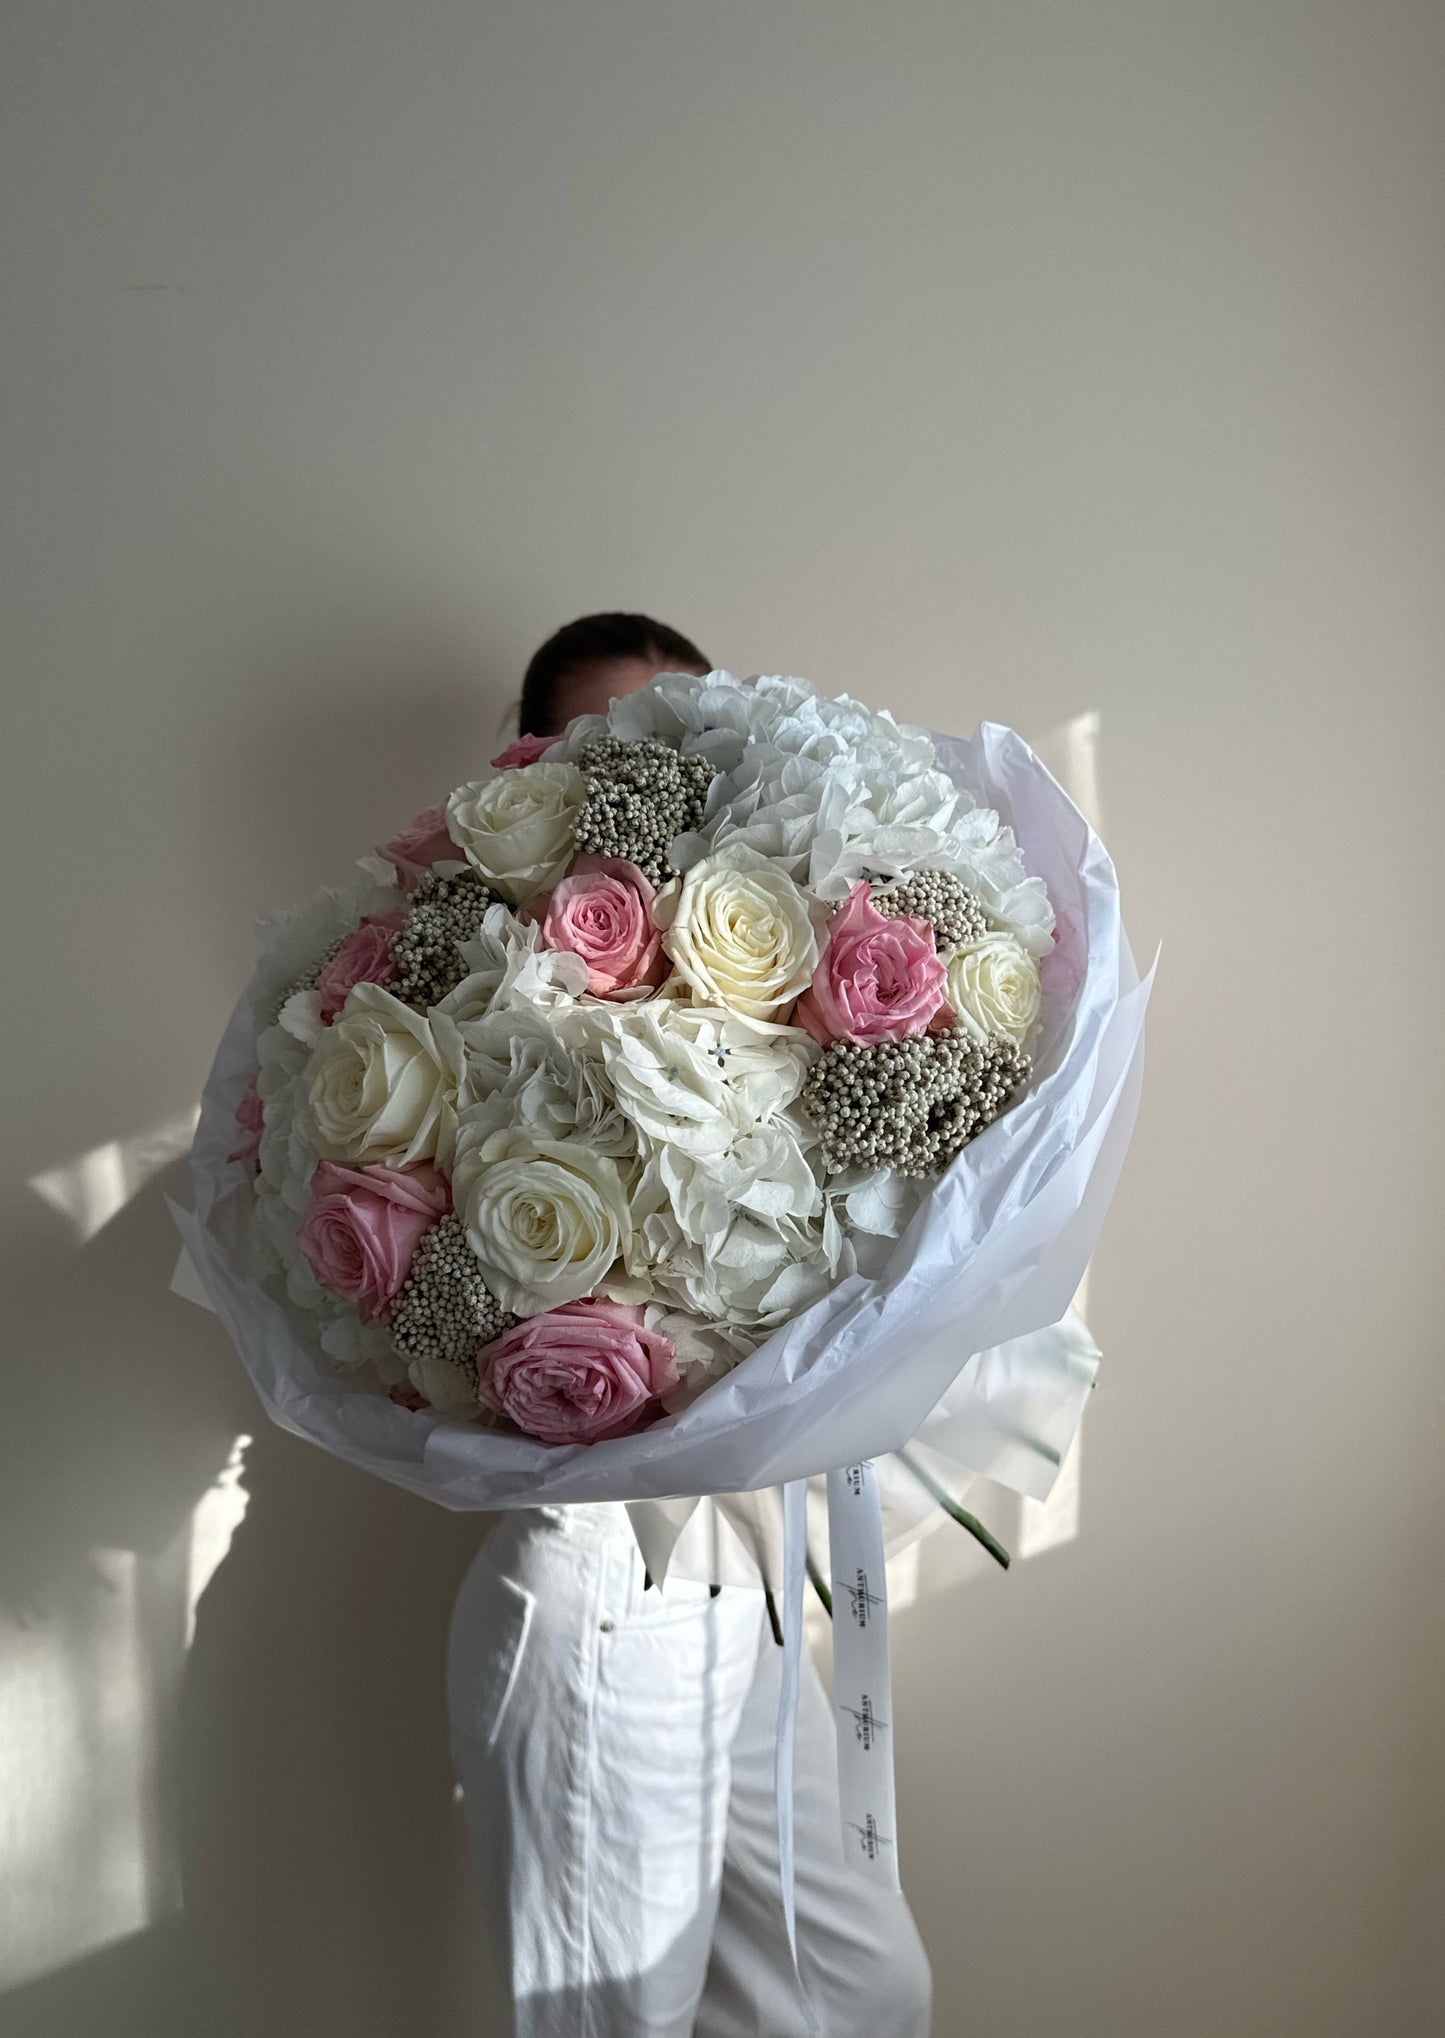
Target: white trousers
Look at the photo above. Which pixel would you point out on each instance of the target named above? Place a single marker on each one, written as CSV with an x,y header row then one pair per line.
x,y
616,1750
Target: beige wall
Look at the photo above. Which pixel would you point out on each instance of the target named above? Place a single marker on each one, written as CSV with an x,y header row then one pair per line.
x,y
1017,359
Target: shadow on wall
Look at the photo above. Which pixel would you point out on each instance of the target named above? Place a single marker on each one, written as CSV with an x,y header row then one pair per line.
x,y
287,1767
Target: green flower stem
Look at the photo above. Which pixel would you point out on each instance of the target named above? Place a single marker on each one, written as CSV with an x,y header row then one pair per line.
x,y
820,1587
961,1515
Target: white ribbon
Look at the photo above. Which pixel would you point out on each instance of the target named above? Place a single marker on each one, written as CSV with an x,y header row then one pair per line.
x,y
862,1688
862,1684
795,1562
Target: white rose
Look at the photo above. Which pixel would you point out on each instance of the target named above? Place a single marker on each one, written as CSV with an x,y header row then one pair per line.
x,y
518,827
381,1083
993,986
740,933
545,1217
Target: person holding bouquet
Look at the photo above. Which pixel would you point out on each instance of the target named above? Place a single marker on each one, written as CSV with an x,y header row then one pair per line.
x,y
616,1743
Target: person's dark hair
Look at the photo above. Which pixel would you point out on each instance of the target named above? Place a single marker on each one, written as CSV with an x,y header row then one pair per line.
x,y
594,640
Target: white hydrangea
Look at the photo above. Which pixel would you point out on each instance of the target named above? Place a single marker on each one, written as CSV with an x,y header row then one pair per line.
x,y
287,1157
509,968
742,1242
830,790
874,1209
694,1077
518,1071
355,1344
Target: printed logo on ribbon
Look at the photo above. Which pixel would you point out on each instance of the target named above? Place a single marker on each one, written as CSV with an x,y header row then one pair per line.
x,y
856,1479
860,1597
866,1724
871,1840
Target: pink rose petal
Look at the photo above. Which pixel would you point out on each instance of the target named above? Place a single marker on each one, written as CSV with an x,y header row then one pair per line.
x,y
523,750
602,911
364,1226
878,978
579,1373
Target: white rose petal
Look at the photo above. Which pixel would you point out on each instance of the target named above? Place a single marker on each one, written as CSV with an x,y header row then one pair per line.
x,y
518,828
740,933
381,1083
993,986
546,1218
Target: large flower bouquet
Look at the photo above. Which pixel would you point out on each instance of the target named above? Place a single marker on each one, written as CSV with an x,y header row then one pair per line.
x,y
724,1092
727,1092
632,1051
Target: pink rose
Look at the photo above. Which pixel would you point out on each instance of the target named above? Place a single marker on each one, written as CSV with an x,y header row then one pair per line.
x,y
877,979
421,845
363,958
364,1225
523,750
602,911
251,1118
577,1373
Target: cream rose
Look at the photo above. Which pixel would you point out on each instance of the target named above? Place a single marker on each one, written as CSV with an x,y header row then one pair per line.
x,y
518,829
381,1083
993,986
545,1217
740,933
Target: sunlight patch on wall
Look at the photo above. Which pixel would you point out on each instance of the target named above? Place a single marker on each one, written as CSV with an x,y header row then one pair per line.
x,y
95,1187
87,1692
218,1514
75,1776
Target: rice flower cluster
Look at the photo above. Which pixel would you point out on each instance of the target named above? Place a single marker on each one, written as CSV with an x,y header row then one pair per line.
x,y
640,797
634,1047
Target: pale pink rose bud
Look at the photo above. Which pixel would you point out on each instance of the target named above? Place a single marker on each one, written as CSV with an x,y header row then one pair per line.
x,y
251,1119
878,978
578,1373
421,845
363,958
523,750
602,911
364,1226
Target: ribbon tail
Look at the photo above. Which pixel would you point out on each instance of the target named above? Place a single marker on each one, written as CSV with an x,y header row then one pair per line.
x,y
795,1556
862,1678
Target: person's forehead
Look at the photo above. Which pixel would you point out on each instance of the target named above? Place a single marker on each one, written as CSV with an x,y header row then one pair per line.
x,y
587,692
